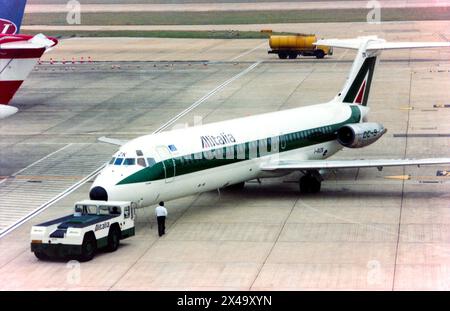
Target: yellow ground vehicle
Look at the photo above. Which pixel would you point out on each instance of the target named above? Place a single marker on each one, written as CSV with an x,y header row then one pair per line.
x,y
293,45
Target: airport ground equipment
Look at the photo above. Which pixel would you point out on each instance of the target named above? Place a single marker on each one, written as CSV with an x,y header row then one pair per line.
x,y
293,45
94,225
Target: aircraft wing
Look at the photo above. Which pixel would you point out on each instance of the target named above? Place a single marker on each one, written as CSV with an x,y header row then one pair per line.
x,y
112,141
293,165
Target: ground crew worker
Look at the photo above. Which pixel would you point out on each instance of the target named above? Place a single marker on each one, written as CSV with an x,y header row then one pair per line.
x,y
161,214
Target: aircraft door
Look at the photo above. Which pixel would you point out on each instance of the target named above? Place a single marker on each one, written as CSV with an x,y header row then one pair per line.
x,y
282,142
168,163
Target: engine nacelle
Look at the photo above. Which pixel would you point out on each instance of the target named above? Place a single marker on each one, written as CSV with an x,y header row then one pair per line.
x,y
360,134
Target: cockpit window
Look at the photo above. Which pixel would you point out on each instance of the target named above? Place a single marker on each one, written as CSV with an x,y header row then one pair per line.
x,y
139,153
129,161
118,161
112,160
141,162
150,162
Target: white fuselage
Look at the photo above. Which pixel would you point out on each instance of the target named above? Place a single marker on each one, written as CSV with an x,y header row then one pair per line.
x,y
289,131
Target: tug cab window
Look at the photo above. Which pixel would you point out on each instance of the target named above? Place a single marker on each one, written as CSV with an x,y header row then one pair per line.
x,y
86,209
126,212
78,211
114,210
103,210
129,161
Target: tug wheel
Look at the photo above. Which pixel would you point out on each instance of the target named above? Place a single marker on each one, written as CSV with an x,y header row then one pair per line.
x,y
40,256
88,248
113,239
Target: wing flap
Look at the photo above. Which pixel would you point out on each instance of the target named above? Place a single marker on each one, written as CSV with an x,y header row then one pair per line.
x,y
292,165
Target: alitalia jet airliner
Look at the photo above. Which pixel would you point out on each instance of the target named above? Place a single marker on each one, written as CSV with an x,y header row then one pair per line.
x,y
177,163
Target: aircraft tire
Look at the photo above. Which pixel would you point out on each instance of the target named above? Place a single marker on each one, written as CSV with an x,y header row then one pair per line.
x,y
237,187
309,184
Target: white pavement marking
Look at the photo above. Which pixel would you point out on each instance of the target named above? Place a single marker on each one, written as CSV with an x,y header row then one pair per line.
x,y
24,196
204,98
248,52
44,206
74,187
38,161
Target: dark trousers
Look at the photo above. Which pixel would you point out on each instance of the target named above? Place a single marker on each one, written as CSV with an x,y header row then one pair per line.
x,y
161,225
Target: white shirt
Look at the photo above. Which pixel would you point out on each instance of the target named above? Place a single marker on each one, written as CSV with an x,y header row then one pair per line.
x,y
160,211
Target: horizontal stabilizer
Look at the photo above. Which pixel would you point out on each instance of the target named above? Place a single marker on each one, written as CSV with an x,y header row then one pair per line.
x,y
341,164
6,111
373,43
406,45
341,43
39,41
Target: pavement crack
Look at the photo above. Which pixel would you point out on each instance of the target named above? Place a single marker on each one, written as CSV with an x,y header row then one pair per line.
x,y
152,244
403,185
274,243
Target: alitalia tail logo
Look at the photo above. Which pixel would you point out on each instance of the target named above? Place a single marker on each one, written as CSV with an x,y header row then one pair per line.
x,y
209,141
358,92
362,89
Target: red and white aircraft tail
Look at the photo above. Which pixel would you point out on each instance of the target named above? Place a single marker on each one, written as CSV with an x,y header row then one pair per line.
x,y
18,56
18,53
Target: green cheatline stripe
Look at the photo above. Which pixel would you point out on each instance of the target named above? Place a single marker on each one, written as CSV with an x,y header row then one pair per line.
x,y
368,65
200,161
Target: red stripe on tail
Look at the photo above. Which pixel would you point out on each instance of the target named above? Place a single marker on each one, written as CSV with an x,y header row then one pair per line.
x,y
21,53
8,89
360,96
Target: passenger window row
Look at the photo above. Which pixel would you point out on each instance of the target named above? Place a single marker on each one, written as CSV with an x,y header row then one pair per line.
x,y
132,161
226,151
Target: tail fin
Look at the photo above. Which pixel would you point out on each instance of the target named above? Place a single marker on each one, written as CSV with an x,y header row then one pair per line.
x,y
11,15
18,56
357,87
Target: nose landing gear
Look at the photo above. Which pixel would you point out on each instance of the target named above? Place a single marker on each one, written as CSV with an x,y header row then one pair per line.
x,y
310,182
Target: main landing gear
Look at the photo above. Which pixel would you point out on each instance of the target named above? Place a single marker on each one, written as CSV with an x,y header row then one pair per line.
x,y
236,187
310,182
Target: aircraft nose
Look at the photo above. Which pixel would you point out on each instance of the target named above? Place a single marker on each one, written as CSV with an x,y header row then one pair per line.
x,y
98,194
